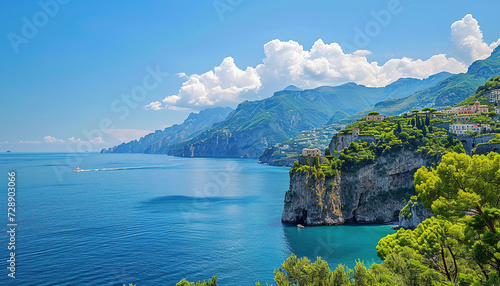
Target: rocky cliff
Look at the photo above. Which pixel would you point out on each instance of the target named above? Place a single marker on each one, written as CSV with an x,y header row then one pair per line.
x,y
373,193
413,214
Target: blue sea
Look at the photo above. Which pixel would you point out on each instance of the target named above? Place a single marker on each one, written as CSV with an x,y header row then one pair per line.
x,y
155,219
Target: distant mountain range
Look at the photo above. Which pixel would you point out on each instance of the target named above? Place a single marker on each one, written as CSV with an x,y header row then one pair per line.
x,y
256,125
446,93
161,141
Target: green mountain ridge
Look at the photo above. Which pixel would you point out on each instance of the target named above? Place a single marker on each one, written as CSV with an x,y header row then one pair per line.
x,y
256,125
446,93
482,93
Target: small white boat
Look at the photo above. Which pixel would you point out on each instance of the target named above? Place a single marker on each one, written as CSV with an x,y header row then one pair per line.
x,y
77,169
300,226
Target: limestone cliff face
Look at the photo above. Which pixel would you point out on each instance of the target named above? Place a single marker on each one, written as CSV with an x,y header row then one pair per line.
x,y
312,202
225,144
373,193
417,215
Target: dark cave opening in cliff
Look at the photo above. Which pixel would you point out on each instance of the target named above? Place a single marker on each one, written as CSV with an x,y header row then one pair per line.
x,y
303,218
395,216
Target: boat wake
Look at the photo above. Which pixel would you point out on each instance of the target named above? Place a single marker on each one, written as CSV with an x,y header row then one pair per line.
x,y
119,168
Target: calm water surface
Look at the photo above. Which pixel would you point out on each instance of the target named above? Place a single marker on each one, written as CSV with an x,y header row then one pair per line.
x,y
155,219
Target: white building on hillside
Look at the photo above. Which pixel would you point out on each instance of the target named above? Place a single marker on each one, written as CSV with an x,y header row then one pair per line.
x,y
494,96
460,129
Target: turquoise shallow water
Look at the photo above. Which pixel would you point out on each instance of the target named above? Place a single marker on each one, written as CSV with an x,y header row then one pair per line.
x,y
155,219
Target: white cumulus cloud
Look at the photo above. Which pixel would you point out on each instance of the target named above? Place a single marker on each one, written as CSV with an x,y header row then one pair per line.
x,y
156,105
73,140
221,86
327,64
287,62
50,139
97,141
468,42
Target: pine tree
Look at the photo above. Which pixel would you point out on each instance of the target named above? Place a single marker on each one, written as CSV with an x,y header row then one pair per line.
x,y
398,129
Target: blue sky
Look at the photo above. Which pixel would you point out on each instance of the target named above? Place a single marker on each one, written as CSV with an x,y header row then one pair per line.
x,y
61,80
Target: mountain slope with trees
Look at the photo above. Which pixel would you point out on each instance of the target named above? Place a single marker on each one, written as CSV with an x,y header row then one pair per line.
x,y
482,93
256,125
446,93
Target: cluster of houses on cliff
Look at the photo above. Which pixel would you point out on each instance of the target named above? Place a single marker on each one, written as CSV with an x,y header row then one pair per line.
x,y
460,114
476,108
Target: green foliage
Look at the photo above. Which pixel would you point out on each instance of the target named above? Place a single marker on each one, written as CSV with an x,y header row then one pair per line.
x,y
406,267
212,282
472,133
495,140
357,154
394,134
406,210
434,239
295,271
362,277
316,161
341,277
373,113
464,193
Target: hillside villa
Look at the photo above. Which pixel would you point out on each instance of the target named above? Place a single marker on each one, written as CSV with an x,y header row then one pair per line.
x,y
460,129
311,152
374,117
476,108
494,96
